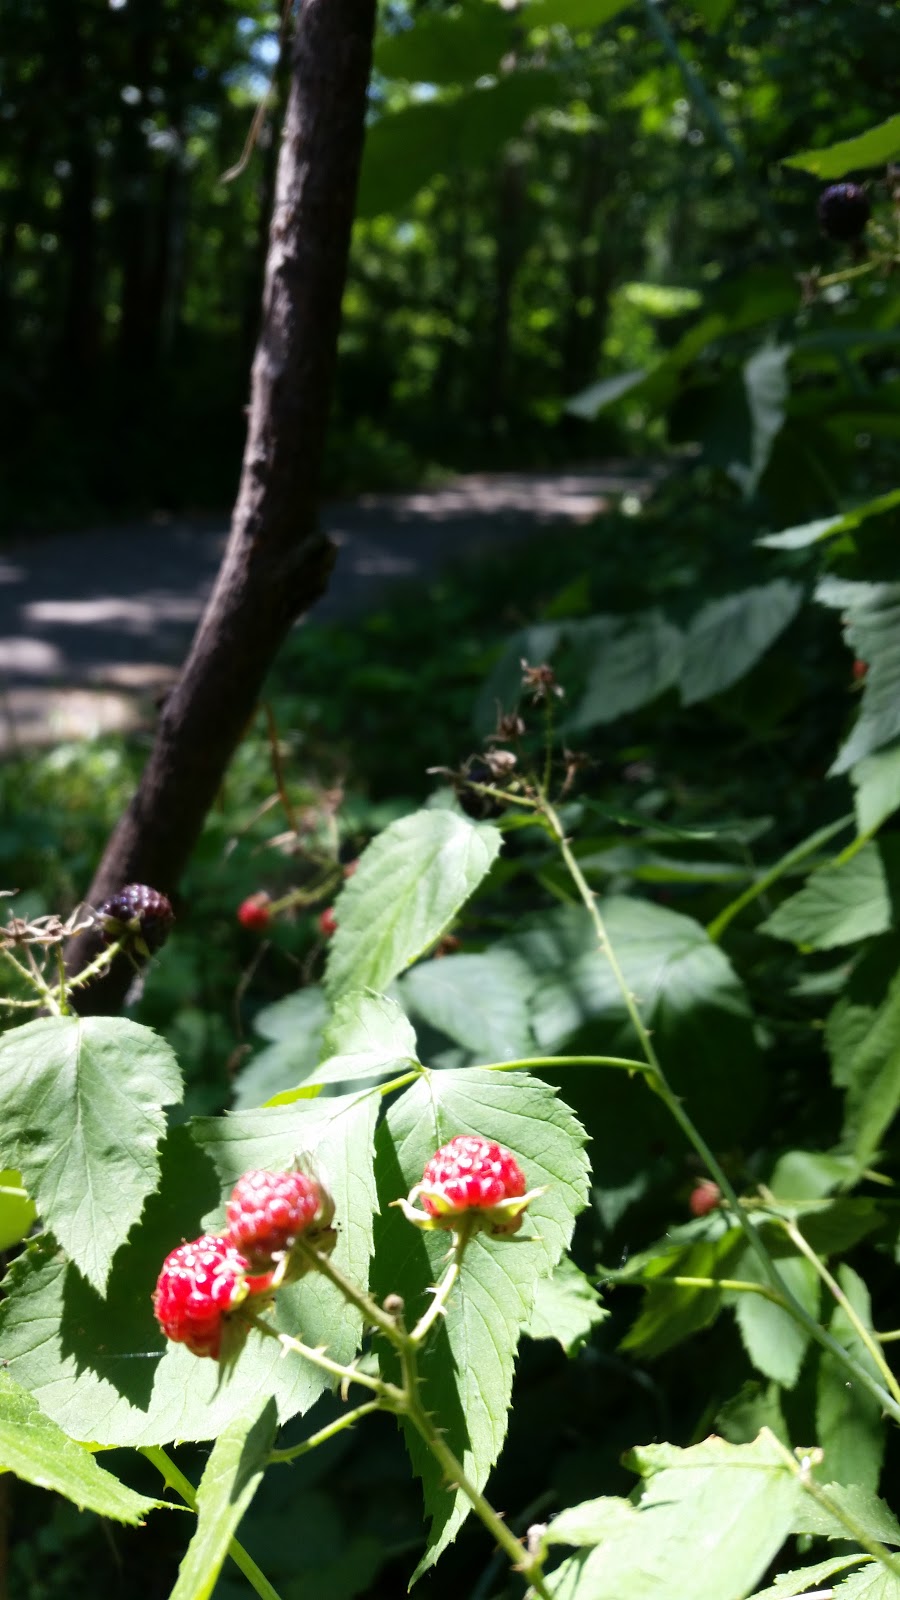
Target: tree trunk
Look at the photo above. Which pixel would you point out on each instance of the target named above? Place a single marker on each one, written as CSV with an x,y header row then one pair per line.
x,y
277,561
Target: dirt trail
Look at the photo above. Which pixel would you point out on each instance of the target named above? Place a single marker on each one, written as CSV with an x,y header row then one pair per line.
x,y
93,625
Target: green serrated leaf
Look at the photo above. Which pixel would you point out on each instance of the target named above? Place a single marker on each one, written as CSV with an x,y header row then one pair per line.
x,y
566,1308
849,1422
630,661
728,636
592,1522
230,1480
38,1451
837,905
367,1037
101,1368
753,1408
871,1515
709,1520
773,1339
480,1001
672,1312
874,148
81,1116
871,1073
788,1584
870,1583
409,885
468,1365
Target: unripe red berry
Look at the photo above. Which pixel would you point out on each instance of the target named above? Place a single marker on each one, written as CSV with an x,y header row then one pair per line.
x,y
254,912
704,1197
198,1285
470,1174
328,923
268,1211
860,668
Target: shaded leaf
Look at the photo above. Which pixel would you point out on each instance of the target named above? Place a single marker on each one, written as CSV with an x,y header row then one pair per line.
x,y
81,1117
38,1451
876,780
410,883
728,636
367,1037
871,1515
480,1001
871,626
673,1312
772,1338
295,1026
872,1077
230,1479
768,387
837,905
455,46
631,660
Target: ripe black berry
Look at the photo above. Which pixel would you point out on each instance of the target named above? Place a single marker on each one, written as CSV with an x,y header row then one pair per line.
x,y
139,916
844,211
481,807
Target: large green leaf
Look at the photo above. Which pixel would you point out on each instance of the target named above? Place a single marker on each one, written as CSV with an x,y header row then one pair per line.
x,y
81,1116
808,533
728,636
368,1037
230,1479
468,1365
870,615
411,882
849,1421
37,1450
405,148
874,148
101,1368
480,1001
837,905
706,1525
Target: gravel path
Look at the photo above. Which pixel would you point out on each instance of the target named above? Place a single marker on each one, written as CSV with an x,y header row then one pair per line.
x,y
93,625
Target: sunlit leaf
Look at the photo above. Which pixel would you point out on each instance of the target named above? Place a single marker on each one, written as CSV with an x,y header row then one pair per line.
x,y
874,148
230,1480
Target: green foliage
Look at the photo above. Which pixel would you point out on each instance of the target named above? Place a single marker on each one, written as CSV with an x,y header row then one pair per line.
x,y
230,1480
873,148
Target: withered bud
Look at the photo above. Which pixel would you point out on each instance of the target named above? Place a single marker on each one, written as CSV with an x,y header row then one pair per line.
x,y
540,682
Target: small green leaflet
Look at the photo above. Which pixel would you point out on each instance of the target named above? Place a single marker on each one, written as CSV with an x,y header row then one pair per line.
x,y
81,1116
837,905
566,1308
368,1037
807,533
788,1584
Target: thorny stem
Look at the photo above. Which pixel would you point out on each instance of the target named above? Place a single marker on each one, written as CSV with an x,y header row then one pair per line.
x,y
736,1285
175,1479
802,1471
442,1293
371,1312
98,965
281,1457
867,1338
32,976
624,1062
388,1393
662,1087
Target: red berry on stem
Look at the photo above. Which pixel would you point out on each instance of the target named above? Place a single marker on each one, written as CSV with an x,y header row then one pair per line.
x,y
254,912
269,1210
470,1175
704,1197
199,1283
328,922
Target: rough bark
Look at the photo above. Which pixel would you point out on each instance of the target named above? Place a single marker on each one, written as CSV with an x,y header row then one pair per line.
x,y
277,562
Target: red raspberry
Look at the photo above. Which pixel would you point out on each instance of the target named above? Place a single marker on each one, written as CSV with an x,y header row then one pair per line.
x,y
328,922
138,915
470,1174
254,912
268,1210
704,1197
198,1284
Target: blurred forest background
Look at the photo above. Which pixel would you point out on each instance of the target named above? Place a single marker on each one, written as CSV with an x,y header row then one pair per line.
x,y
551,193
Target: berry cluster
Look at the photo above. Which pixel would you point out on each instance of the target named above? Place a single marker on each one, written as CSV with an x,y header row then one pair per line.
x,y
201,1283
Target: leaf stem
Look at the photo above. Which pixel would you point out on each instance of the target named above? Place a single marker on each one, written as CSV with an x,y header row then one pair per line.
x,y
863,1333
442,1293
802,1471
387,1392
624,1062
368,1308
282,1457
175,1479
